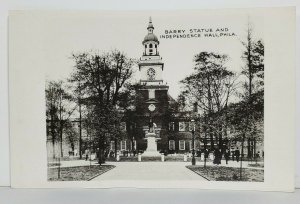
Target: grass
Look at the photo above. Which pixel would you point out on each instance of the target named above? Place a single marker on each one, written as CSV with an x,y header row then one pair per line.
x,y
256,165
221,173
78,173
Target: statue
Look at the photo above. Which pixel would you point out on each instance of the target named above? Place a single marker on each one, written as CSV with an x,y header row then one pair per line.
x,y
151,127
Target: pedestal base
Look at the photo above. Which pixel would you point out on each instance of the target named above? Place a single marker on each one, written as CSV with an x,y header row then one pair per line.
x,y
151,145
151,154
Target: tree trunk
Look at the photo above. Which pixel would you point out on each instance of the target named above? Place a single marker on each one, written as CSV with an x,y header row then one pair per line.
x,y
248,148
80,131
242,157
61,139
116,148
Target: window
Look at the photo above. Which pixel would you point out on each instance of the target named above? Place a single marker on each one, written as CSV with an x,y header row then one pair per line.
x,y
181,126
151,93
150,46
181,145
171,145
171,126
112,145
191,144
123,145
155,46
146,46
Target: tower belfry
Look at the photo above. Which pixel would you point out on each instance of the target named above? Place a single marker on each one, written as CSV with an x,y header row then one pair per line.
x,y
150,64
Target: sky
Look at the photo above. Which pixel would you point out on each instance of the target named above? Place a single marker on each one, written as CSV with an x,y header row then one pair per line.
x,y
67,33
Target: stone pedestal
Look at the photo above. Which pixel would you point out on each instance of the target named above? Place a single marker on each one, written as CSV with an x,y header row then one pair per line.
x,y
162,157
202,157
184,157
139,157
151,145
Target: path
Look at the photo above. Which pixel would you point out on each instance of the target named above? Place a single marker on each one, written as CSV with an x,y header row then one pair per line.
x,y
149,171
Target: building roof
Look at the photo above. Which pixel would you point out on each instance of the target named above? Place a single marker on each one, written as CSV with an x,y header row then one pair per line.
x,y
150,37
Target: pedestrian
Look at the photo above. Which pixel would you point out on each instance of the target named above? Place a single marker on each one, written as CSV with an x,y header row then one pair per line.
x,y
237,154
227,155
218,157
232,153
215,161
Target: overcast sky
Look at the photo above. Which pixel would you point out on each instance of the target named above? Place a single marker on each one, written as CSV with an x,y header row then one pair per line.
x,y
64,34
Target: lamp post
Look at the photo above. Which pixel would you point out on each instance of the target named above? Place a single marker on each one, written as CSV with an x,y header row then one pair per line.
x,y
193,142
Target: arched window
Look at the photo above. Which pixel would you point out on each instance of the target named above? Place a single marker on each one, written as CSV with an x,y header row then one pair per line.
x,y
150,51
150,45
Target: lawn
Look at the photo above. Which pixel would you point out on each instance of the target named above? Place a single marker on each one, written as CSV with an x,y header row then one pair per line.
x,y
258,165
221,173
78,173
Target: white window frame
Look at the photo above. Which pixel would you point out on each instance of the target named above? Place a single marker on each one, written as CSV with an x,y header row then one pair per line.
x,y
123,142
180,125
191,144
172,126
172,144
180,143
112,145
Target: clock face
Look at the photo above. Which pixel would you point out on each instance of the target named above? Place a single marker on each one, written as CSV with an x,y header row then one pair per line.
x,y
151,74
151,107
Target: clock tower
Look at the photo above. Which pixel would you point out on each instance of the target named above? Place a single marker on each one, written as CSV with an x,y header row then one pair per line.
x,y
150,64
153,95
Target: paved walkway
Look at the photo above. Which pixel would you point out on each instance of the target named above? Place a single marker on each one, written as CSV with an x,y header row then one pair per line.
x,y
149,171
209,163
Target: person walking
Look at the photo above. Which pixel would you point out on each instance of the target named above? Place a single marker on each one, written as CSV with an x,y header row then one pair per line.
x,y
227,155
232,154
220,156
215,161
237,154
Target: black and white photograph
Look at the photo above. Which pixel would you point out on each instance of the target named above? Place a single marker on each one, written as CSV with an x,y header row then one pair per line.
x,y
155,96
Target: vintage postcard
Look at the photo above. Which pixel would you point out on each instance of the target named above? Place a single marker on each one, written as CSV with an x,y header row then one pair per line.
x,y
163,99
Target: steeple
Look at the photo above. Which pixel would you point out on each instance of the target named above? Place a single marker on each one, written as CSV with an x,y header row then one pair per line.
x,y
150,27
150,41
150,64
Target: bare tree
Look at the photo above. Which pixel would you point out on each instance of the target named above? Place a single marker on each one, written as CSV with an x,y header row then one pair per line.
x,y
210,87
58,111
253,56
102,79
